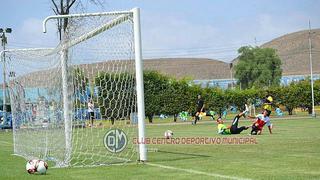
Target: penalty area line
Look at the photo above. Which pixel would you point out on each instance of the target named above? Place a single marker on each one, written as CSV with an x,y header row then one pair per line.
x,y
6,142
191,171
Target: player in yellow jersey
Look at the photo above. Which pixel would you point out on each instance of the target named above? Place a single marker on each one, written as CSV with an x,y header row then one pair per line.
x,y
267,106
233,129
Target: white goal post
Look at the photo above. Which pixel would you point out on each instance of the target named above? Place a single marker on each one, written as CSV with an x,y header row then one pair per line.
x,y
84,99
135,13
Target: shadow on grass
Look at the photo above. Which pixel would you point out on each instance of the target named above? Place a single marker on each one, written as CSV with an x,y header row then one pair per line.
x,y
181,156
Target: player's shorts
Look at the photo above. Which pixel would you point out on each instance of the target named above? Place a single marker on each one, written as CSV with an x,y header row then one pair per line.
x,y
268,123
91,115
199,110
236,130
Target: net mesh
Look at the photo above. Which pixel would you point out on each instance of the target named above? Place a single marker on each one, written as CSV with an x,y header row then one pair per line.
x,y
98,94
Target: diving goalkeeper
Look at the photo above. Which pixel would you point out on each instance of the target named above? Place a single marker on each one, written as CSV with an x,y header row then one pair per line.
x,y
233,129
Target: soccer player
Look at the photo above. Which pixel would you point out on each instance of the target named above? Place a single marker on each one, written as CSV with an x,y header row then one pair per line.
x,y
91,111
233,129
260,121
200,109
267,106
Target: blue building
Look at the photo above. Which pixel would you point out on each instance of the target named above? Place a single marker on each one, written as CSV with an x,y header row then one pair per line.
x,y
228,83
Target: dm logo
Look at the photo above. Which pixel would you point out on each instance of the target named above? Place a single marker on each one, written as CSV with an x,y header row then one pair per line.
x,y
115,140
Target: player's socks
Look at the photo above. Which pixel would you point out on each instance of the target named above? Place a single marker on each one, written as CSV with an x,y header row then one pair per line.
x,y
246,109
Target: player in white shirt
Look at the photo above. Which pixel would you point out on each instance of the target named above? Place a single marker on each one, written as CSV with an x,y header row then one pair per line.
x,y
261,120
91,111
266,119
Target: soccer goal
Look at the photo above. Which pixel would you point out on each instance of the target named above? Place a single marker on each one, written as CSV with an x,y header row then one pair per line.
x,y
81,103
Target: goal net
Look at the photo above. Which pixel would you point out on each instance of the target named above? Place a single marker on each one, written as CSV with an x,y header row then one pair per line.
x,y
76,104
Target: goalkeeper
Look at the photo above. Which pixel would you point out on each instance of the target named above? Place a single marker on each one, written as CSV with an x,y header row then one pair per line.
x,y
233,129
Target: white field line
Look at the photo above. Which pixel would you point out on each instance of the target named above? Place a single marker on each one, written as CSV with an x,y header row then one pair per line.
x,y
5,142
191,171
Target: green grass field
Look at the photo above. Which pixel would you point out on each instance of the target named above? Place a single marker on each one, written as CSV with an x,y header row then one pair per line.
x,y
292,152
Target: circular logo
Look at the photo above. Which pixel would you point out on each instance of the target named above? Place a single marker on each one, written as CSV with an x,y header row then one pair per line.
x,y
115,140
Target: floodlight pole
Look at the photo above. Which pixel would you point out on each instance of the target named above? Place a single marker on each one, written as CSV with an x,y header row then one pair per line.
x,y
311,73
4,81
4,85
231,69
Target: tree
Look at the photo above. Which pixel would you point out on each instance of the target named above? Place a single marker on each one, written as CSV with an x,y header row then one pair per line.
x,y
258,67
289,97
215,100
116,95
177,97
63,7
304,96
80,84
155,85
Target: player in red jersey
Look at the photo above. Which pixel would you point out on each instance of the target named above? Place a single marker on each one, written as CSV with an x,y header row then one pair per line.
x,y
258,124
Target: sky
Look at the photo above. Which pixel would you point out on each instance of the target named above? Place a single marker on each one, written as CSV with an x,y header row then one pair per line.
x,y
177,28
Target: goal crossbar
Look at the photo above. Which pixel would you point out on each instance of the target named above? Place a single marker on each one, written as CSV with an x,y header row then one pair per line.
x,y
133,14
44,24
23,50
92,33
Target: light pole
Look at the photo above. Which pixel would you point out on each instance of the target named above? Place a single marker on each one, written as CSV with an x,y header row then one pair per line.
x,y
3,43
231,73
311,73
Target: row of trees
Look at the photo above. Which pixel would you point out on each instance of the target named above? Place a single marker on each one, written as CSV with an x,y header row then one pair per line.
x,y
256,68
170,96
166,95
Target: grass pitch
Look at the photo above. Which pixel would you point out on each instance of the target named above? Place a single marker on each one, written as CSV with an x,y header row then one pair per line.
x,y
292,152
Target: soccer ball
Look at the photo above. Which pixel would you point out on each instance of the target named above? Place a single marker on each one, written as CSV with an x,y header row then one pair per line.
x,y
168,134
31,166
36,166
42,167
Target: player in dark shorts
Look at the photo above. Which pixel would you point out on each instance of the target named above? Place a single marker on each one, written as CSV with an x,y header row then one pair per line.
x,y
200,108
260,121
233,129
257,127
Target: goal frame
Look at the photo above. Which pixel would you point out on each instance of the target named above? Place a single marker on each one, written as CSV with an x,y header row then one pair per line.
x,y
135,15
2,54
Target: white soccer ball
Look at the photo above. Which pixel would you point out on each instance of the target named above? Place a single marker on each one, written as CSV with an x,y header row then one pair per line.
x,y
168,134
31,166
42,167
36,166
